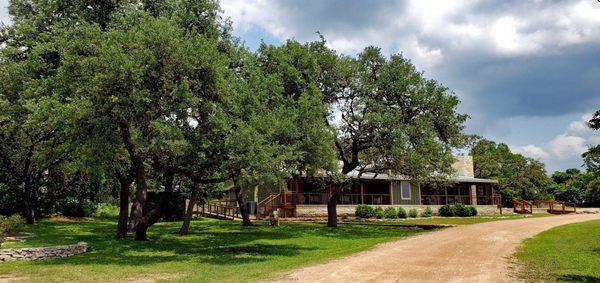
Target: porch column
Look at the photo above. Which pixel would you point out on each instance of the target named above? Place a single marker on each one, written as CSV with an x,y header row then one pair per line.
x,y
362,193
473,194
391,194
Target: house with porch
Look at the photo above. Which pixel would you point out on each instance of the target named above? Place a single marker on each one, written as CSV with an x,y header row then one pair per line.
x,y
307,197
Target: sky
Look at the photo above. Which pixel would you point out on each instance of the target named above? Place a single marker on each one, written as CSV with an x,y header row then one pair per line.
x,y
527,72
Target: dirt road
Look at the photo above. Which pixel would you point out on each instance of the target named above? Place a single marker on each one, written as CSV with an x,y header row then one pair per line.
x,y
470,253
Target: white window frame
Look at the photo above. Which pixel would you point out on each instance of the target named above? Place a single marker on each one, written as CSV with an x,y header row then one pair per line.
x,y
402,190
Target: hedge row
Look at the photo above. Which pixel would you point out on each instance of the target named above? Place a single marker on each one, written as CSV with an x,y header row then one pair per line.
x,y
366,211
459,210
448,210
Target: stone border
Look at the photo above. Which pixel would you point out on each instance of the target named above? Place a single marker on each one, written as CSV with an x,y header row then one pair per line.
x,y
43,252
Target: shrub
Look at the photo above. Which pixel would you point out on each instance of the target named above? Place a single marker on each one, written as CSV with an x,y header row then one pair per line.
x,y
106,210
379,213
413,213
473,211
462,210
74,208
428,212
401,213
10,224
364,211
345,217
390,213
447,210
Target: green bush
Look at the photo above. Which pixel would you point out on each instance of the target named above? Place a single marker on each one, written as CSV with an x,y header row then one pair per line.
x,y
402,213
473,211
364,211
106,210
74,208
428,212
390,213
462,210
10,225
447,210
379,213
345,217
413,213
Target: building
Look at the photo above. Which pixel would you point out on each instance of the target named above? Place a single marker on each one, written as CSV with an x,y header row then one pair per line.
x,y
305,197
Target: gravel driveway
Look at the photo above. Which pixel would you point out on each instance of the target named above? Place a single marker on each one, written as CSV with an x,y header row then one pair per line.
x,y
469,253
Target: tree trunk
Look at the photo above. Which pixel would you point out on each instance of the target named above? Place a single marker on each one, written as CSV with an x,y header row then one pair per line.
x,y
29,208
123,208
140,225
185,227
239,194
332,209
137,205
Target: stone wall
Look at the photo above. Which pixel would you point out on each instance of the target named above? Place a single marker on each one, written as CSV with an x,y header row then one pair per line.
x,y
42,253
321,210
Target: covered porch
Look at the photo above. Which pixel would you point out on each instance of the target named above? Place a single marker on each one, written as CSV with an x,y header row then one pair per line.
x,y
305,191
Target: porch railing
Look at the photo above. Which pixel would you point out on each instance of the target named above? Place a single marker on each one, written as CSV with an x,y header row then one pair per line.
x,y
441,199
322,198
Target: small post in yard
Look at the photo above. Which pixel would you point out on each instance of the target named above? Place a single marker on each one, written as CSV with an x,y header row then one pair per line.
x,y
563,207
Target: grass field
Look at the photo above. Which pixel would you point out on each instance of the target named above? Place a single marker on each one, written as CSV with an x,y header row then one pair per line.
x,y
569,253
214,251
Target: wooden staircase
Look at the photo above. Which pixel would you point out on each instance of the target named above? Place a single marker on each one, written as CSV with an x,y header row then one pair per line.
x,y
268,205
282,201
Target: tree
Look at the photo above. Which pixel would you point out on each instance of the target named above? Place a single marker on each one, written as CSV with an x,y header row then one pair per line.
x,y
385,116
271,135
517,176
591,158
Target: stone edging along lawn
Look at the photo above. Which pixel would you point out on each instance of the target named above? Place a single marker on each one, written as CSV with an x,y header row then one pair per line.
x,y
43,252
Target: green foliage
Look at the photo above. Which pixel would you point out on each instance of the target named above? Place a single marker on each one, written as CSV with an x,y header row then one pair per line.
x,y
428,212
517,175
71,207
345,217
402,213
106,210
413,213
460,210
379,214
447,210
10,225
473,211
390,213
364,211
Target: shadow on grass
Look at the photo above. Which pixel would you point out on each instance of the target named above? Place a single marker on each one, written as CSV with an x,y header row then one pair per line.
x,y
578,278
211,241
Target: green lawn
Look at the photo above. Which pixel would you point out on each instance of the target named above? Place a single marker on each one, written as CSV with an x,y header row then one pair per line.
x,y
565,253
214,251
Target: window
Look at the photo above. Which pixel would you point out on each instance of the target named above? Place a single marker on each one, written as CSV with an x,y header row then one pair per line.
x,y
405,190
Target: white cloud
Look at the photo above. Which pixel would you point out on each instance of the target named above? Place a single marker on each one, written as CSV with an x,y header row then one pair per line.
x,y
566,146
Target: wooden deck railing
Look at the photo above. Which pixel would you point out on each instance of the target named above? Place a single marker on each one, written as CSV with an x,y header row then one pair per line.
x,y
220,211
520,206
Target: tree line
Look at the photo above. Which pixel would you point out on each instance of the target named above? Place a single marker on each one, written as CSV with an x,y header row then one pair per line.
x,y
119,98
520,177
111,100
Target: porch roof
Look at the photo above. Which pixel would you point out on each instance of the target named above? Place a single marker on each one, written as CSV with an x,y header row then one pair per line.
x,y
383,176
